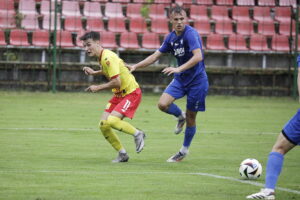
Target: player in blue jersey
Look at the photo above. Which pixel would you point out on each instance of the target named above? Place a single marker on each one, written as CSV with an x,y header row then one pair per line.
x,y
190,78
287,140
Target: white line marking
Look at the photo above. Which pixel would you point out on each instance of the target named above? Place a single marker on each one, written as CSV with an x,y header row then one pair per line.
x,y
168,173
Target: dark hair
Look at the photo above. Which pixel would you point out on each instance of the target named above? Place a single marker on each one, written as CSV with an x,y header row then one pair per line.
x,y
177,9
90,35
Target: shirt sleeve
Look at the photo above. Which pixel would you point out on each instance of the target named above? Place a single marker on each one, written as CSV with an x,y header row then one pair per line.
x,y
193,40
112,66
165,47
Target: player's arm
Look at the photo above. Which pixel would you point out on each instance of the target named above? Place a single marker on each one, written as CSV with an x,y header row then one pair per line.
x,y
197,57
90,71
298,78
115,82
146,62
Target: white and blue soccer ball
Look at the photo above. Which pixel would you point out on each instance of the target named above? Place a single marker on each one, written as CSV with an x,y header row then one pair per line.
x,y
250,168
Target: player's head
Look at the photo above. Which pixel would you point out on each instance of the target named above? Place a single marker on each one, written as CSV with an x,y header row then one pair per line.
x,y
178,18
91,43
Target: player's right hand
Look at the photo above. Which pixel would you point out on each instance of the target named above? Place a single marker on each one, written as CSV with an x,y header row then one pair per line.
x,y
131,68
88,70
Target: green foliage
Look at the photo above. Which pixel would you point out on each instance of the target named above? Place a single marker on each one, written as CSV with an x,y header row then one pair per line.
x,y
51,148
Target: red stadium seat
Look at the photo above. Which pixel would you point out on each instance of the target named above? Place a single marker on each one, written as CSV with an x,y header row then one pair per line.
x,y
73,24
288,3
108,40
157,11
113,10
266,28
266,3
181,2
160,26
244,28
150,41
280,43
45,7
204,2
220,13
241,13
199,12
7,7
203,27
129,40
223,28
64,39
71,8
138,25
103,1
245,2
215,42
116,25
30,22
92,9
2,38
18,37
139,1
134,10
258,43
121,1
48,22
224,2
40,38
262,14
287,28
7,21
237,43
94,24
283,14
163,1
27,7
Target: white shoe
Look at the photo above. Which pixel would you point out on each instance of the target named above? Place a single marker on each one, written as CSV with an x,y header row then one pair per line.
x,y
263,194
122,157
139,140
177,157
180,124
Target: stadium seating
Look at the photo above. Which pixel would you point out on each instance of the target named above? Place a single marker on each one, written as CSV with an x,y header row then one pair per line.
x,y
199,12
215,42
94,24
113,10
27,7
121,1
203,27
186,2
262,14
92,9
134,10
258,43
241,14
224,2
245,2
30,22
2,38
160,26
266,28
116,25
288,3
237,43
73,24
108,40
223,28
220,13
138,25
280,43
150,41
40,38
163,1
283,14
204,2
7,7
157,11
64,39
103,1
18,37
287,28
266,2
48,22
128,40
244,28
70,8
45,7
7,21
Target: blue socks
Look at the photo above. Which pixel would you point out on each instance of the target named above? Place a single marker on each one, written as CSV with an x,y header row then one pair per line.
x,y
189,134
274,165
174,110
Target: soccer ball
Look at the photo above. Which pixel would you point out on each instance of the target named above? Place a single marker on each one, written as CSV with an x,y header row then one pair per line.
x,y
250,169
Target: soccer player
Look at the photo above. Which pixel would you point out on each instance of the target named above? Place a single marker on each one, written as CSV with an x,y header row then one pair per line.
x,y
126,99
190,78
287,140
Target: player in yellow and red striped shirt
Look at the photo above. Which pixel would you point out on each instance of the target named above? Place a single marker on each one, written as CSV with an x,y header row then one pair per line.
x,y
126,99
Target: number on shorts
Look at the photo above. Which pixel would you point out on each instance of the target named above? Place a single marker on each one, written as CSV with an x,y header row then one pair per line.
x,y
126,105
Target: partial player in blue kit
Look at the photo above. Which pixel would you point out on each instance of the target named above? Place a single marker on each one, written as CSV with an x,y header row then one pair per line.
x,y
287,140
190,78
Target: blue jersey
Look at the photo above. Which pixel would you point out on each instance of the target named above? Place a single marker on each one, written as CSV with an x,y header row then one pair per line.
x,y
181,47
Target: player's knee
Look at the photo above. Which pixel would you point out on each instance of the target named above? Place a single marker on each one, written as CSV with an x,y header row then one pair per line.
x,y
162,106
112,121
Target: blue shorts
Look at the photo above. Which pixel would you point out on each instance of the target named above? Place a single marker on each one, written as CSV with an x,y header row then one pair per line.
x,y
291,130
196,93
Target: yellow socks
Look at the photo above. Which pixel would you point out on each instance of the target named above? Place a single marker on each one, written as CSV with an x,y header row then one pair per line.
x,y
121,125
110,136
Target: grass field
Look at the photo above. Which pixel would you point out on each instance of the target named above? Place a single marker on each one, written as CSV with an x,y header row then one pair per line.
x,y
51,149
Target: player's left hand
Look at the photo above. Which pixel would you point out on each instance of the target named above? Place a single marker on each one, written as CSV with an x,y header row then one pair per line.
x,y
170,70
92,88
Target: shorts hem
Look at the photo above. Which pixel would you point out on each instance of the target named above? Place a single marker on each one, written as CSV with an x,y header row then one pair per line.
x,y
285,135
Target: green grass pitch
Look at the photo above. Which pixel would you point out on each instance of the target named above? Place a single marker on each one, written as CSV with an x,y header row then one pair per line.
x,y
51,149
